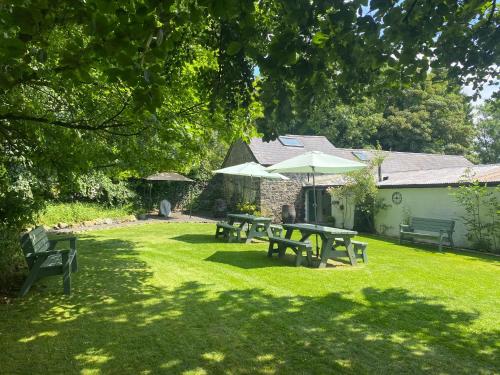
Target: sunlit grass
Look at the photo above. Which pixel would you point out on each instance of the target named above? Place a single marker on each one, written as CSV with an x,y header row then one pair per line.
x,y
168,298
77,212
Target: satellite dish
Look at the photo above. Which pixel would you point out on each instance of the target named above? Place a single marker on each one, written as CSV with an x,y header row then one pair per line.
x,y
165,208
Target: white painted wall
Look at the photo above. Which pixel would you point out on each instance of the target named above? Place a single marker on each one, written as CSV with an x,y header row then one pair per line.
x,y
343,212
435,203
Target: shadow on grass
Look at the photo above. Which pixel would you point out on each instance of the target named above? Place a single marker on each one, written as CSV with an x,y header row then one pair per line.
x,y
197,238
249,259
117,321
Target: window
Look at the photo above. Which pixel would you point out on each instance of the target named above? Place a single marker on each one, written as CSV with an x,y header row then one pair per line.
x,y
290,142
361,155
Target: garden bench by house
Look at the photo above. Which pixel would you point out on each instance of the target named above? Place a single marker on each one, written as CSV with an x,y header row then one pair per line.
x,y
44,261
227,231
360,249
420,227
278,245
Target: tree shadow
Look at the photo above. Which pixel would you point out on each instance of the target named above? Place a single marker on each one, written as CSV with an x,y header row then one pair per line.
x,y
119,320
250,259
196,238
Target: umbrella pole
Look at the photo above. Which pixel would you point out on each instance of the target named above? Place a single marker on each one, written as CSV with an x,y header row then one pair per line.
x,y
315,210
190,201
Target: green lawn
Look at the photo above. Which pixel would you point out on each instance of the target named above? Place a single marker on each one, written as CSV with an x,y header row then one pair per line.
x,y
168,298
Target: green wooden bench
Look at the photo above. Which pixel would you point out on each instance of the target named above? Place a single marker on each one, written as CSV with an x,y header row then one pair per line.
x,y
276,229
421,227
278,245
360,249
228,231
44,261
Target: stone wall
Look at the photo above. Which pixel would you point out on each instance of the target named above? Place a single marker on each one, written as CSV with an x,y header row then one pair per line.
x,y
238,188
268,195
276,193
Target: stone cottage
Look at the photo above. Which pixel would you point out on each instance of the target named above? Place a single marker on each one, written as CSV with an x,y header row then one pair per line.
x,y
271,195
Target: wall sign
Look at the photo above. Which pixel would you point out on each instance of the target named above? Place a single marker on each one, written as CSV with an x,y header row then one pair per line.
x,y
397,198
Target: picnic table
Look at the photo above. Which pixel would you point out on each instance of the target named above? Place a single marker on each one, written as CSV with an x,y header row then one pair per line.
x,y
257,226
328,236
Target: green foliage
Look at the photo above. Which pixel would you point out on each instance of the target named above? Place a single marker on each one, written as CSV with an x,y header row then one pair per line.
x,y
247,208
488,130
97,187
360,190
425,118
78,212
481,217
11,260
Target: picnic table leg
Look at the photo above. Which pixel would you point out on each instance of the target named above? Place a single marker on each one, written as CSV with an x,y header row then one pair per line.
x,y
252,232
268,230
350,251
326,251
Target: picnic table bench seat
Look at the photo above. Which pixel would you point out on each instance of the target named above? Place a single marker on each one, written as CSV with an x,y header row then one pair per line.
x,y
44,261
278,245
439,229
228,231
276,229
360,248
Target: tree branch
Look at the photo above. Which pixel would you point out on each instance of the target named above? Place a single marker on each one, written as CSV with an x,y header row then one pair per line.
x,y
64,124
412,6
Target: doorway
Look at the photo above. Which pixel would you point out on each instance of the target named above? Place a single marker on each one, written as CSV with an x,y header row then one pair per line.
x,y
324,202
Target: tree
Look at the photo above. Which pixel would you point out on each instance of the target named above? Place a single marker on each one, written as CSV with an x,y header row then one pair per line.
x,y
487,143
428,117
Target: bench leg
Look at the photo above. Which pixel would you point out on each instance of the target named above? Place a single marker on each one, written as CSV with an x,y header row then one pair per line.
x,y
309,254
74,264
298,257
32,277
66,274
364,253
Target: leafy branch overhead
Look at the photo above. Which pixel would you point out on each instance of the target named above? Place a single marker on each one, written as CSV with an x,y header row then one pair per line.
x,y
145,46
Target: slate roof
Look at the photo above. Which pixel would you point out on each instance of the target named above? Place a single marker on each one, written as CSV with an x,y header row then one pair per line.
x,y
168,176
489,173
408,161
269,153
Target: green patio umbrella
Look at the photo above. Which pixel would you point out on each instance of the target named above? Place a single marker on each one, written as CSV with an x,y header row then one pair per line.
x,y
250,169
316,162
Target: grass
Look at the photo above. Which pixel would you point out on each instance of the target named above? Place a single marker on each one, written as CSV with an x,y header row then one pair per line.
x,y
168,298
77,212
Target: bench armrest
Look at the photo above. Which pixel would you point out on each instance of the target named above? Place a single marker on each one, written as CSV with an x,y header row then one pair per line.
x,y
72,242
405,228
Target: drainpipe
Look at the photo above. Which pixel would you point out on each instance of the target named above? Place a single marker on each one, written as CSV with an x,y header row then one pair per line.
x,y
379,172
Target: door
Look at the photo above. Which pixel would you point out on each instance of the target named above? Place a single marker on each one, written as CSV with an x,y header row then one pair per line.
x,y
311,216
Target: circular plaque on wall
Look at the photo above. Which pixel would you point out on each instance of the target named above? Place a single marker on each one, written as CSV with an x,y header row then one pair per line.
x,y
397,198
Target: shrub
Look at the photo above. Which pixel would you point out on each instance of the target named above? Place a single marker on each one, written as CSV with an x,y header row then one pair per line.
x,y
247,208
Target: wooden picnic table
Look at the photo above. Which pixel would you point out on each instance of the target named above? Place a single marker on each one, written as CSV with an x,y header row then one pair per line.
x,y
257,226
328,236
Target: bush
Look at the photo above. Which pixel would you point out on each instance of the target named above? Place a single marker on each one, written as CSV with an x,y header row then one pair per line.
x,y
247,208
99,188
11,260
